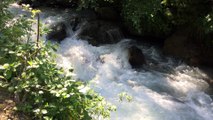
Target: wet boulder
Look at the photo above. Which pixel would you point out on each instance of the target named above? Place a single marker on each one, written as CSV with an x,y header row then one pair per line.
x,y
58,32
181,45
100,32
77,19
107,13
25,2
136,57
177,44
50,3
32,3
87,15
206,56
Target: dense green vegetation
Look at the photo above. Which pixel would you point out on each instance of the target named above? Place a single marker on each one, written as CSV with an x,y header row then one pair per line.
x,y
40,88
160,17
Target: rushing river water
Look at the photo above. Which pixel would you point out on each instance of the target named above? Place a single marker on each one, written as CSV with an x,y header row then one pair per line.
x,y
163,89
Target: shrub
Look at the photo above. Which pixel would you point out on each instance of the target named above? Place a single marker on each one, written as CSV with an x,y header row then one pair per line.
x,y
41,90
160,17
147,17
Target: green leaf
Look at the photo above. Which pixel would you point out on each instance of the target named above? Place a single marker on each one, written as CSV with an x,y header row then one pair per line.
x,y
11,89
6,66
24,75
2,67
30,63
8,74
2,77
43,111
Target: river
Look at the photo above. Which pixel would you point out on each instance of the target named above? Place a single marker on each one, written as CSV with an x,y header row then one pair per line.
x,y
163,89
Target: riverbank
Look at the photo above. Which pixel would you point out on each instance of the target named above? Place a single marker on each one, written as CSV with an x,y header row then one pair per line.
x,y
7,105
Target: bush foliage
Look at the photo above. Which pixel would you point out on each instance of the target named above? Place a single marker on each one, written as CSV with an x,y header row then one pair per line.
x,y
160,17
28,70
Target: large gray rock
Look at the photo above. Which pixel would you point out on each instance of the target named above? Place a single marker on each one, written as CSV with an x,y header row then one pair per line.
x,y
50,3
177,44
181,45
206,56
58,32
95,31
136,57
76,19
107,13
100,32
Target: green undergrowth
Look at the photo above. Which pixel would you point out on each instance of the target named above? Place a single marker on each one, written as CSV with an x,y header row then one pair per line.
x,y
40,88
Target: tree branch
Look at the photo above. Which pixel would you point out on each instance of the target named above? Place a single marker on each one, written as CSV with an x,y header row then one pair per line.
x,y
38,30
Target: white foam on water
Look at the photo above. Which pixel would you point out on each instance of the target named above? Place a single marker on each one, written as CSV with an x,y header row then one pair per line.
x,y
156,95
163,89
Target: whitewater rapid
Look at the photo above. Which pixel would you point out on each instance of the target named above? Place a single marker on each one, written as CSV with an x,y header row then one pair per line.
x,y
163,89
